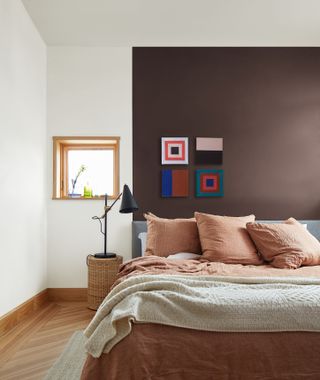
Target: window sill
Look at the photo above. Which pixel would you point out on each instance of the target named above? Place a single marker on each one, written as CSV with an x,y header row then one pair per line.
x,y
97,198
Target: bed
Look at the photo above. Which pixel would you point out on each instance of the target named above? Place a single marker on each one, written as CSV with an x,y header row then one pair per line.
x,y
284,342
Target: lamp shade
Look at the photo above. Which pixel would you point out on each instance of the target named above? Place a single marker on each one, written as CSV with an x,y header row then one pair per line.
x,y
128,203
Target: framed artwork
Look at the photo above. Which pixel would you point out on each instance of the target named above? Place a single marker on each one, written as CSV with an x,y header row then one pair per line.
x,y
175,183
174,151
209,183
209,151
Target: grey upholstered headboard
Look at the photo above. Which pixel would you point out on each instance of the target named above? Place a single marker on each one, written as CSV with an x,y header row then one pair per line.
x,y
141,226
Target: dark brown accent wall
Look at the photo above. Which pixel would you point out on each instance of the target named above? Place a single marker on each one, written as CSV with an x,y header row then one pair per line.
x,y
264,102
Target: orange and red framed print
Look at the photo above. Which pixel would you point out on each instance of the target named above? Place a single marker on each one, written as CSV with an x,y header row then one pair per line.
x,y
174,151
209,183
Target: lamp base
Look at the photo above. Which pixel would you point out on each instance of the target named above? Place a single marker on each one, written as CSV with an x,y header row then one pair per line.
x,y
108,255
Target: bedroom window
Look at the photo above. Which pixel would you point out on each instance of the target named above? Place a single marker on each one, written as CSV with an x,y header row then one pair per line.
x,y
85,167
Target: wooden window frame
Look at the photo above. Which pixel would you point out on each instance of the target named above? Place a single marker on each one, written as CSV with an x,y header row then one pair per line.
x,y
61,147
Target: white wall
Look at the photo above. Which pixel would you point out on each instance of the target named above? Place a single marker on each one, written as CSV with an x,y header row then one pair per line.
x,y
89,93
22,157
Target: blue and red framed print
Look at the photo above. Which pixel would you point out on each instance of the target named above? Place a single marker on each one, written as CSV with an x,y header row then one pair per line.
x,y
209,183
175,183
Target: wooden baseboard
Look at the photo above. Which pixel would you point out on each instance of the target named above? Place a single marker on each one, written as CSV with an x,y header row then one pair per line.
x,y
67,294
19,313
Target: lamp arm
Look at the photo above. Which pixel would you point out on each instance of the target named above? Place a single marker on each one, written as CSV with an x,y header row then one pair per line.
x,y
113,203
99,220
106,210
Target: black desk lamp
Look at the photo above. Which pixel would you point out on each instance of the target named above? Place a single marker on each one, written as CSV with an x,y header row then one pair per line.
x,y
128,205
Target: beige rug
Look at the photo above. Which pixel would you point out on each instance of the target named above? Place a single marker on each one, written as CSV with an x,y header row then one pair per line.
x,y
69,365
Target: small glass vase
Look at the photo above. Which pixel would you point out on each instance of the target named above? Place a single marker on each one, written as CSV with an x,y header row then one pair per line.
x,y
87,191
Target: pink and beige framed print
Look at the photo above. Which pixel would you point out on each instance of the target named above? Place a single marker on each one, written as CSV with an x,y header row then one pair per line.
x,y
174,151
209,151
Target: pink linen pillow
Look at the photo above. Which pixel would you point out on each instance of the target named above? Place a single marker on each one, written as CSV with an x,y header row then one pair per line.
x,y
169,236
225,239
285,245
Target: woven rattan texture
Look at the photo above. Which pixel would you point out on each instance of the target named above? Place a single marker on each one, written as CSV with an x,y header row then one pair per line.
x,y
101,276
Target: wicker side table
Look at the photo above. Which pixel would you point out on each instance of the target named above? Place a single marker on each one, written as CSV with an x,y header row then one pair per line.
x,y
101,276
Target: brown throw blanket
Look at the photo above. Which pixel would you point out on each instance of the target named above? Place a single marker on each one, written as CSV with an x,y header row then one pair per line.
x,y
156,352
160,265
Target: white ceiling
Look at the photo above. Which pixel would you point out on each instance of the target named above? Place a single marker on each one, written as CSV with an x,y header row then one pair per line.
x,y
177,22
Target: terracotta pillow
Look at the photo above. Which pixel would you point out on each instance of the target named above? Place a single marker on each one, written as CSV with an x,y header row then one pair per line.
x,y
169,236
225,239
285,245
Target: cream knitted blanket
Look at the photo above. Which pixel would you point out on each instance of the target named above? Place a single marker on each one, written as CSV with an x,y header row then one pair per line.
x,y
205,303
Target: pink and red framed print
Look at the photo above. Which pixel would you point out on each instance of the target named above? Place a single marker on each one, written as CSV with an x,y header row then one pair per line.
x,y
174,151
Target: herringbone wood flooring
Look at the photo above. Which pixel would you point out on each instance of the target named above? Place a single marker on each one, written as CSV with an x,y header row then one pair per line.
x,y
30,349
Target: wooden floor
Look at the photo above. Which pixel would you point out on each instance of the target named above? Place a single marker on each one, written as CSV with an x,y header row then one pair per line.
x,y
30,349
